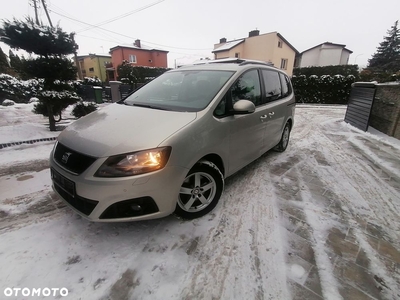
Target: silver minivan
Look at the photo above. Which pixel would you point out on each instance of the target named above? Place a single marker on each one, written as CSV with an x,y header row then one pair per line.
x,y
169,146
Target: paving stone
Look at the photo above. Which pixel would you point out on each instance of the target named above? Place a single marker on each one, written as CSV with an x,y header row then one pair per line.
x,y
341,247
301,247
305,231
294,211
349,292
388,250
357,277
362,260
289,222
351,237
376,231
300,292
297,269
313,281
374,243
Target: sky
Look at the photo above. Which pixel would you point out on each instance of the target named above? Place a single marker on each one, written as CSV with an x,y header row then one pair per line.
x,y
188,29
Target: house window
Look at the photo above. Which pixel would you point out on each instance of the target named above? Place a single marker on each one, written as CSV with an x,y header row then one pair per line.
x,y
279,43
132,58
91,69
284,63
237,55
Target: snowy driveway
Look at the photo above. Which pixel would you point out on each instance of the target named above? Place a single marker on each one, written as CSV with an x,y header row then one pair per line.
x,y
319,221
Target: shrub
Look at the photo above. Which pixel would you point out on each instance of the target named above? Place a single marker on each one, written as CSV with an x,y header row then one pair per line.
x,y
325,89
344,70
8,102
83,108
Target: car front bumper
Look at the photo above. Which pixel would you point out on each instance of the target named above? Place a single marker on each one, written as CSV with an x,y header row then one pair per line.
x,y
150,196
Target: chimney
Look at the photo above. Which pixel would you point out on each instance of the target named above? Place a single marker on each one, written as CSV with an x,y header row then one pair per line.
x,y
254,33
223,40
137,44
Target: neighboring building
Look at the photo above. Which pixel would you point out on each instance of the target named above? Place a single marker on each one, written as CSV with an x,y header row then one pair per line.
x,y
325,54
93,65
270,47
137,55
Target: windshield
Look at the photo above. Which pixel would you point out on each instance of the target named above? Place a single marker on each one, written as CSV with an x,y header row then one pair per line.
x,y
180,91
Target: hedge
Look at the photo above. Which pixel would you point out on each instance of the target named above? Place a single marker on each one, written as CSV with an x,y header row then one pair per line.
x,y
344,70
325,89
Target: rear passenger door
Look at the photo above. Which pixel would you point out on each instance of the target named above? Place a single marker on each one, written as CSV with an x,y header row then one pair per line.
x,y
276,107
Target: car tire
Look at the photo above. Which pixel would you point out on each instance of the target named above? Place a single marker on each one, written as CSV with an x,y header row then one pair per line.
x,y
283,143
200,191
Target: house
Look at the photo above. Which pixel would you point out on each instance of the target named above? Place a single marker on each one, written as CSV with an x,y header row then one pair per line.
x,y
270,47
93,65
325,54
136,55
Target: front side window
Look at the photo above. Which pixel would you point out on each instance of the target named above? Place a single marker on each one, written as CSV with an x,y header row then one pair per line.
x,y
247,87
272,84
180,90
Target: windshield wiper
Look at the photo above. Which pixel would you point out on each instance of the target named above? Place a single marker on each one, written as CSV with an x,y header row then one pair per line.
x,y
149,106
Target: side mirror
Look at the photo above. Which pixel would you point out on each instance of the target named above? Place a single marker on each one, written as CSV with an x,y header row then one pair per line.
x,y
243,107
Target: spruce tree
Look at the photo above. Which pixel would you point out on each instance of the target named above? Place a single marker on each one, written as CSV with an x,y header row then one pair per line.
x,y
4,64
386,60
48,62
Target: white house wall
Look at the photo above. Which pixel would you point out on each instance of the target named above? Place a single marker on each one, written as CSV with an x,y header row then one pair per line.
x,y
325,55
310,58
330,56
344,60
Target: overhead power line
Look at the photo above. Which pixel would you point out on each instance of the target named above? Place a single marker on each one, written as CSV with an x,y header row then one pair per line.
x,y
127,36
122,16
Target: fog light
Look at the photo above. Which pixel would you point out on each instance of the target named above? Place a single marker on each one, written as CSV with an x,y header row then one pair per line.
x,y
136,207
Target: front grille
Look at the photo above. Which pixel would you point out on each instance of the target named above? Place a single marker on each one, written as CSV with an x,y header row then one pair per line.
x,y
71,160
85,206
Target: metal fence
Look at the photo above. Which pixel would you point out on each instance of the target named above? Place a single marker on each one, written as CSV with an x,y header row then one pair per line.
x,y
360,105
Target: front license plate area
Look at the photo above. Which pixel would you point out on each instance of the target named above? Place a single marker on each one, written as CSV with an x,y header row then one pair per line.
x,y
67,185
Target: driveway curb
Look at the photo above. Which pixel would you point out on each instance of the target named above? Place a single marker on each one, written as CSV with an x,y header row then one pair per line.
x,y
2,146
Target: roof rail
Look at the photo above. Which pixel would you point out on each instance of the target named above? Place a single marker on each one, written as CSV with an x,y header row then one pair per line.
x,y
239,61
233,60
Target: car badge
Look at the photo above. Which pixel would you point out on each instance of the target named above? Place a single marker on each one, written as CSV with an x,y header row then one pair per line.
x,y
65,157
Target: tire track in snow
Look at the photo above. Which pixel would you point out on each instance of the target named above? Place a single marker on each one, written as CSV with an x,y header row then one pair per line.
x,y
360,185
241,251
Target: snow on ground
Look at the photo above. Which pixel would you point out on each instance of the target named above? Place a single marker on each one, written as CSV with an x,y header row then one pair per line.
x,y
319,221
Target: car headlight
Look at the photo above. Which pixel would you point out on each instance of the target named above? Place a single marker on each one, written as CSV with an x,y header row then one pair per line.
x,y
134,163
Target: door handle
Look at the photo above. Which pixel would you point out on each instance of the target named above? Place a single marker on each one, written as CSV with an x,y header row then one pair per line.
x,y
263,117
271,114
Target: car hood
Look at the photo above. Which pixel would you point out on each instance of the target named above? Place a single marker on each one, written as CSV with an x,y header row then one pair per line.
x,y
117,129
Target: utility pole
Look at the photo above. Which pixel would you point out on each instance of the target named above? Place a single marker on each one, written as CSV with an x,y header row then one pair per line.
x,y
47,13
51,24
36,12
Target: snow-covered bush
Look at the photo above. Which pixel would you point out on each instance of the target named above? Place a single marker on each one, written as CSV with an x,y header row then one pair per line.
x,y
33,100
83,108
18,90
8,102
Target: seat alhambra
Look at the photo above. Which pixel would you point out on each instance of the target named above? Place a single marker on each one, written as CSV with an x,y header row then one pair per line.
x,y
169,146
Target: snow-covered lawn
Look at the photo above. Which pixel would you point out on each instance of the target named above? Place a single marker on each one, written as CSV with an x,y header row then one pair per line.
x,y
304,224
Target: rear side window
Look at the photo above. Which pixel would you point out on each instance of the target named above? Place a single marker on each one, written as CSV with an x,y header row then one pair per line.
x,y
286,87
272,84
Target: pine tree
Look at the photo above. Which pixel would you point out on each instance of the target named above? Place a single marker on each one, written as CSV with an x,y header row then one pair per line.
x,y
4,64
48,63
16,65
387,57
